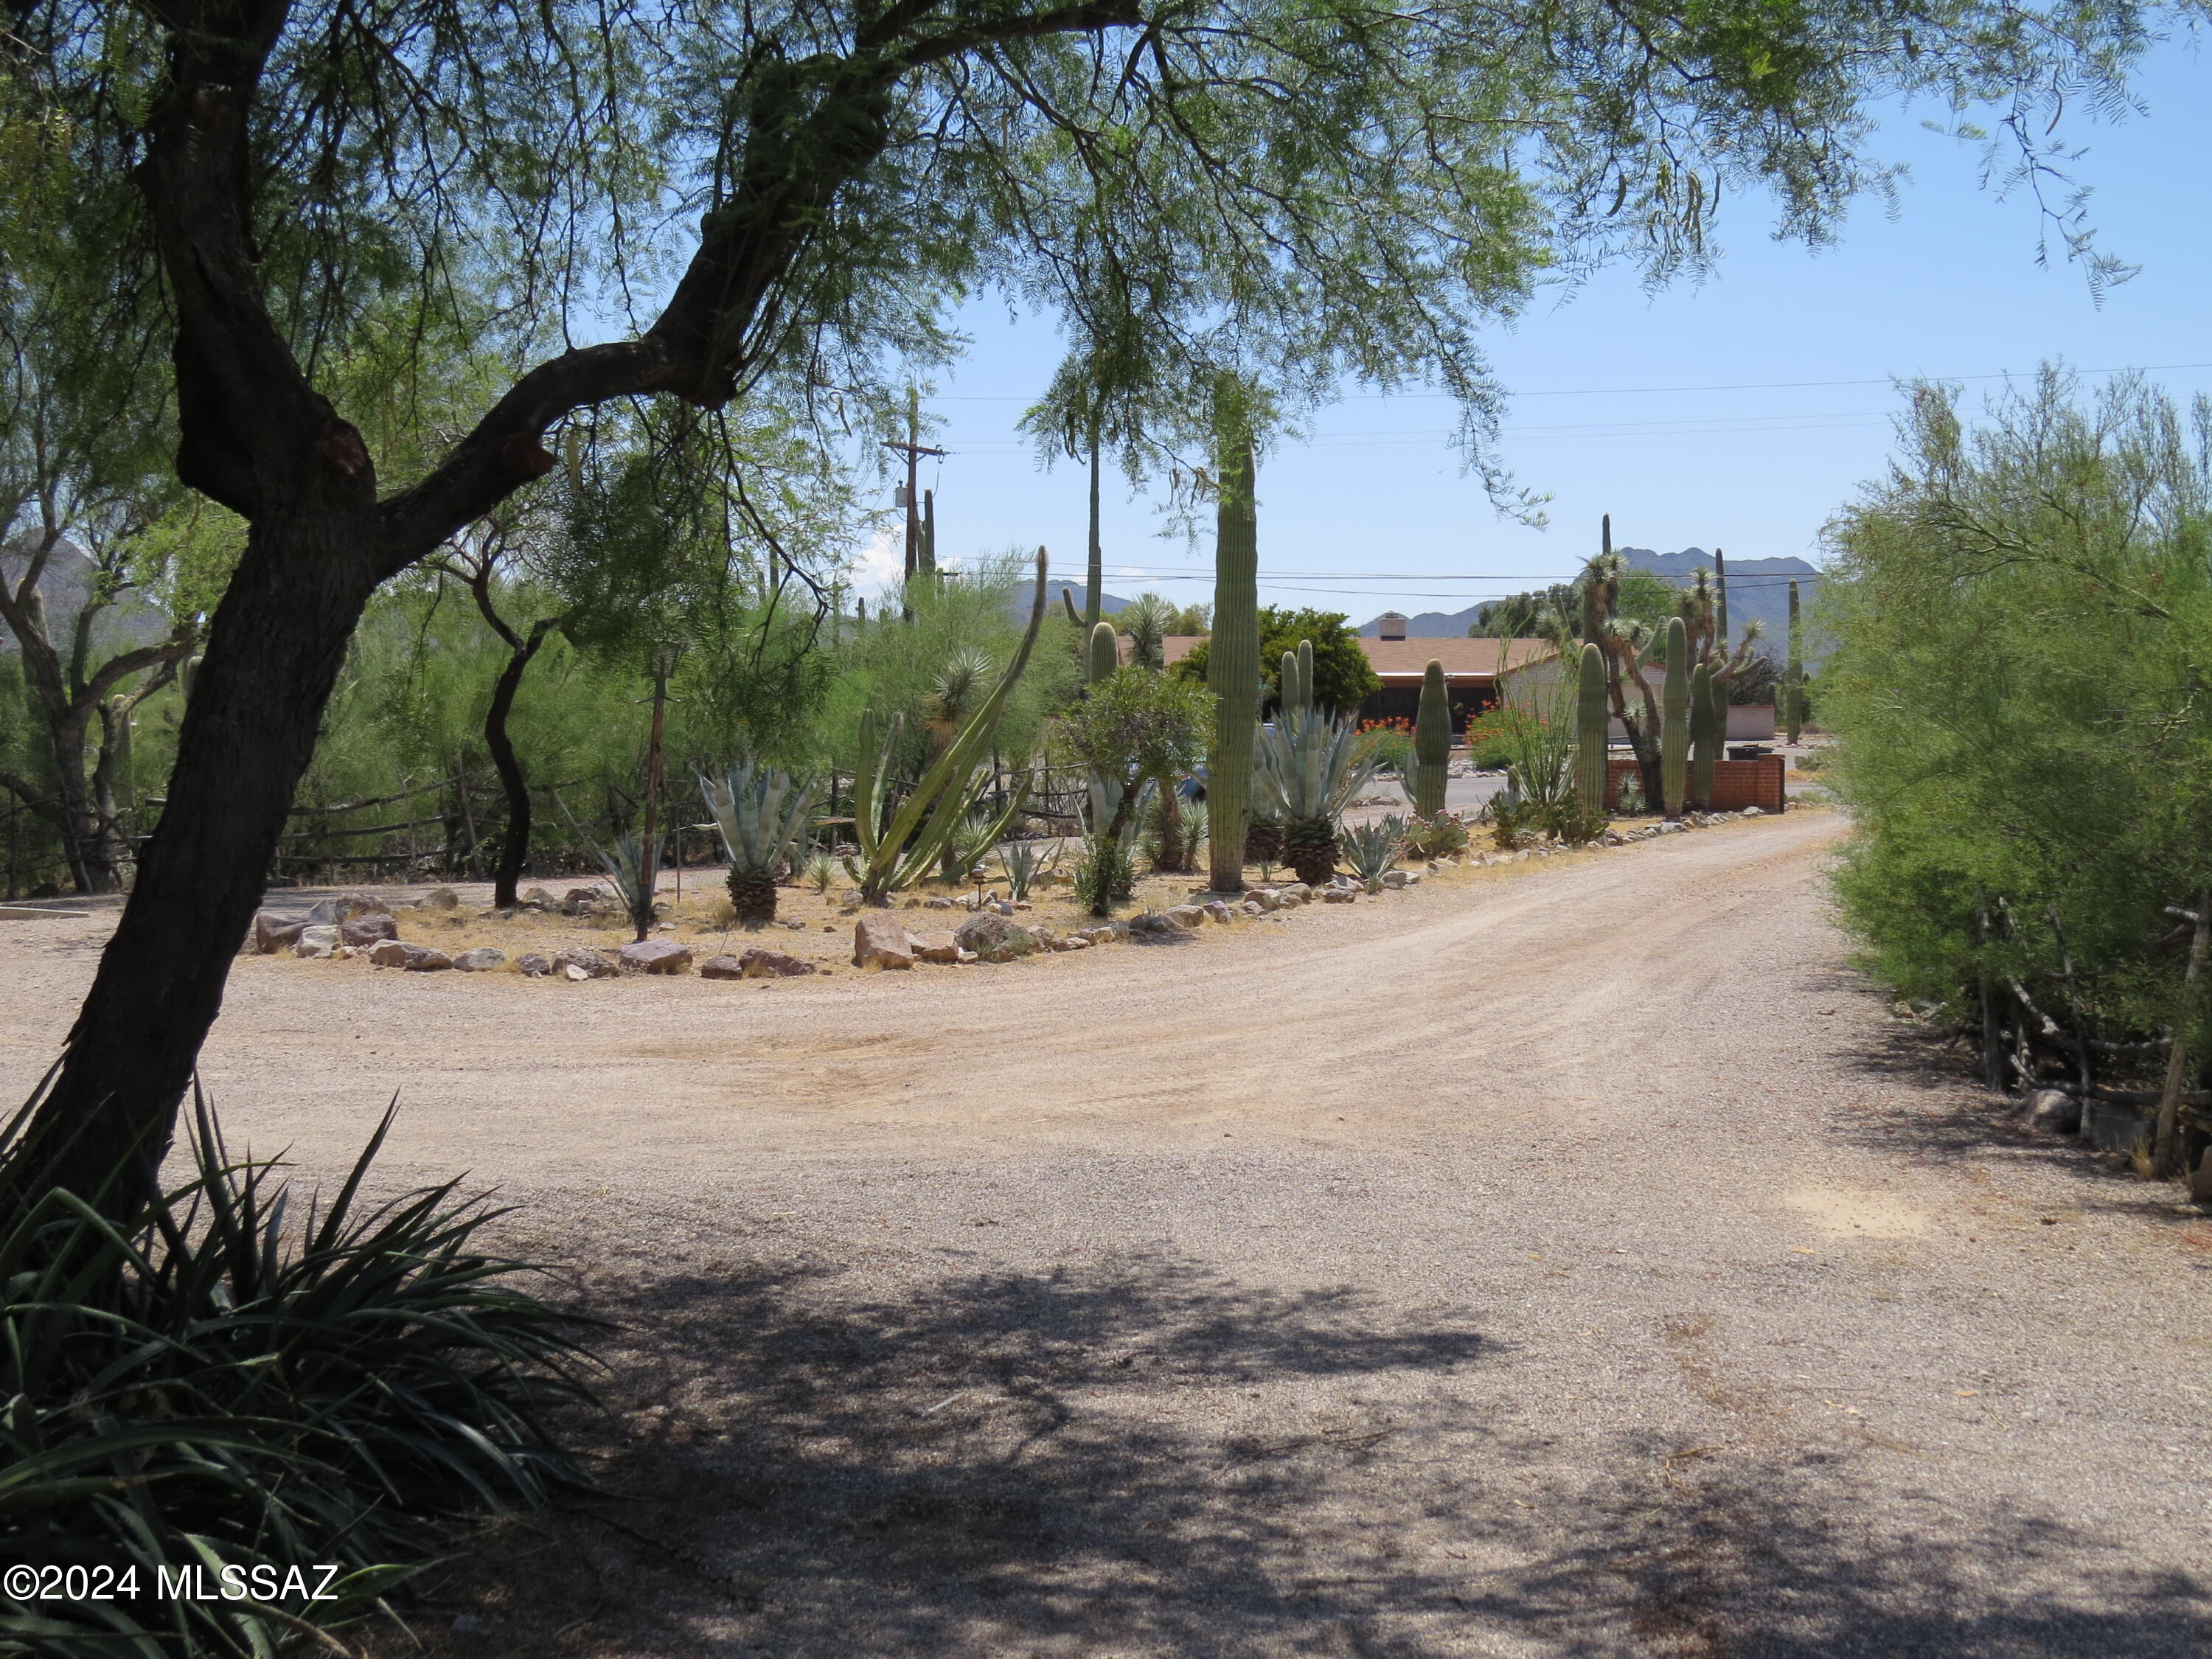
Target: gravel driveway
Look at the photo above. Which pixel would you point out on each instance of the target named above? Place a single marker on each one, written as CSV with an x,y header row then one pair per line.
x,y
1573,1261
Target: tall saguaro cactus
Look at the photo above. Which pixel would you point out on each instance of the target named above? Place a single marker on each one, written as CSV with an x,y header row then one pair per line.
x,y
1431,743
1793,683
1104,655
1675,718
1305,675
1292,698
1233,668
1704,744
1591,731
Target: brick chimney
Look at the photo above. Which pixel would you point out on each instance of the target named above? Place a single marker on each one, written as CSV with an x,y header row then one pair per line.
x,y
1390,625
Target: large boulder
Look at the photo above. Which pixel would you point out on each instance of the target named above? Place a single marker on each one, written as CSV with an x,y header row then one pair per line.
x,y
1185,916
2054,1111
723,967
583,965
482,960
993,937
371,928
532,965
274,931
880,941
316,942
939,946
655,955
760,963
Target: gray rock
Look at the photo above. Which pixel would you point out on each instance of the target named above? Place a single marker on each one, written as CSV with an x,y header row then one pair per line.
x,y
583,965
1296,893
1339,894
274,931
1395,879
534,965
369,929
937,901
760,963
2053,1111
1220,910
1152,926
482,960
416,958
1254,908
1077,942
721,968
2110,1128
315,942
441,898
880,941
992,937
655,955
538,898
1185,916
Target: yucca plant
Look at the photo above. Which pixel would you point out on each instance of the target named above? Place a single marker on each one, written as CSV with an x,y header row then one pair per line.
x,y
1372,849
971,840
761,814
1310,767
218,1379
821,871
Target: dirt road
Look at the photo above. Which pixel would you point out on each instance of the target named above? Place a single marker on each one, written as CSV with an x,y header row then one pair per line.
x,y
1574,1263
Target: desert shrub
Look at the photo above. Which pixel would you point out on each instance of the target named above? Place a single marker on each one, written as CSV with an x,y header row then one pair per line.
x,y
1104,875
1443,835
1387,744
229,1376
2023,618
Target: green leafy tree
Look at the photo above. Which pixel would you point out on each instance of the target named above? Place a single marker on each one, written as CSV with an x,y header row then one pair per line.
x,y
1327,192
1343,677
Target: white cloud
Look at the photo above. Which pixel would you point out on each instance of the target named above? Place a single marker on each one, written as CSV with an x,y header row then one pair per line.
x,y
881,562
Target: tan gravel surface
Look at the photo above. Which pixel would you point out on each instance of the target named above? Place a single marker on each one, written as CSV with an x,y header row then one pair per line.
x,y
1573,1261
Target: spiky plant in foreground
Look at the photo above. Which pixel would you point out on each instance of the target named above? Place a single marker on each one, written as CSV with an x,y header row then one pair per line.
x,y
1310,767
761,814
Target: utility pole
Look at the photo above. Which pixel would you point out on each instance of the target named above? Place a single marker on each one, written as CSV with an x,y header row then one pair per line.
x,y
910,497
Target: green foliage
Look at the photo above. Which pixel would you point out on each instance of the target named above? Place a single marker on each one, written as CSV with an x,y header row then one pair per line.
x,y
226,1374
2023,613
1341,678
1310,767
1442,836
1104,875
1134,726
1534,728
1431,744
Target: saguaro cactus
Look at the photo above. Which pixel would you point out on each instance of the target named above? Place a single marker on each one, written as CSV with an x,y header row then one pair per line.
x,y
1704,743
1720,598
1431,743
1793,683
1674,714
1105,655
1288,700
1590,716
1232,669
1305,674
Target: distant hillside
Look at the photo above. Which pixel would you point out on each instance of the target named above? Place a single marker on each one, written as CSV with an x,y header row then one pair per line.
x,y
1757,587
62,585
1108,605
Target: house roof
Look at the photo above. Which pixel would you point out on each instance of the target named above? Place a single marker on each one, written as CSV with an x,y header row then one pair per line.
x,y
1467,662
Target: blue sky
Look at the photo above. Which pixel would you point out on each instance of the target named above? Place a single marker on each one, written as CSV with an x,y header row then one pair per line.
x,y
1610,409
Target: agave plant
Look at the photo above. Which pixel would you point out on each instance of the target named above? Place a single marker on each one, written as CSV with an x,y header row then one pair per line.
x,y
1024,863
213,1375
761,814
1310,767
1372,849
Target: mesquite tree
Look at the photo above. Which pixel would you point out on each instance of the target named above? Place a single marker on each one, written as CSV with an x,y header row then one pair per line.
x,y
783,199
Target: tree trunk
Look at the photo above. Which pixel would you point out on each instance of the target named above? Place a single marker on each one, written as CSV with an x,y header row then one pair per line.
x,y
274,651
514,845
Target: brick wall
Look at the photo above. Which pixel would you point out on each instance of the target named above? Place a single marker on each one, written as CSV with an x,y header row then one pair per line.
x,y
1736,784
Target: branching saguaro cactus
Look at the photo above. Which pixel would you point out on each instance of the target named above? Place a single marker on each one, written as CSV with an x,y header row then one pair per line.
x,y
1590,728
1105,655
1232,669
1675,712
1793,683
1704,744
1432,742
893,854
